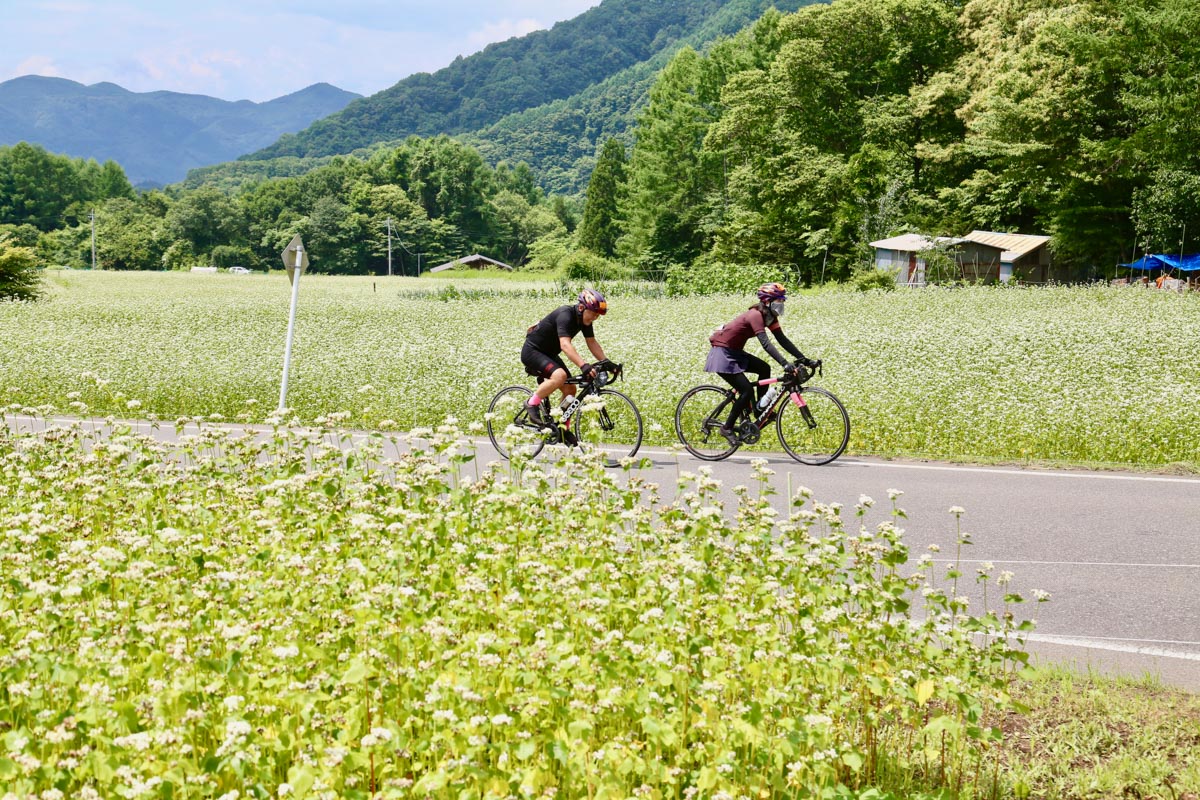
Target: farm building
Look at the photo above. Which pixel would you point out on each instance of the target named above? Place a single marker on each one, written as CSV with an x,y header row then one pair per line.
x,y
988,256
981,256
904,256
474,261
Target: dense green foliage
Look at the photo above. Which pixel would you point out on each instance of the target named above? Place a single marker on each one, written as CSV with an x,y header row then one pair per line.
x,y
46,190
807,136
155,136
18,271
436,196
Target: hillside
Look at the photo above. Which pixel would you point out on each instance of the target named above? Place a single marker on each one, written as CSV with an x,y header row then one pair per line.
x,y
596,66
155,136
557,136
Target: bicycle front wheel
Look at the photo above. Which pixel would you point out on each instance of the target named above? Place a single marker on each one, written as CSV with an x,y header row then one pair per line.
x,y
815,429
609,422
697,418
508,424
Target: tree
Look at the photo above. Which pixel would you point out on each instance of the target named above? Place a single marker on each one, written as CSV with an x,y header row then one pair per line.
x,y
36,187
600,228
204,218
127,238
670,173
19,278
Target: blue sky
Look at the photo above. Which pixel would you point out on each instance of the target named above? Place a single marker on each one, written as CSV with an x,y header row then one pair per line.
x,y
257,49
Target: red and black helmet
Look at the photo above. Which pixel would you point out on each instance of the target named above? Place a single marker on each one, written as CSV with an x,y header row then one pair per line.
x,y
592,300
772,291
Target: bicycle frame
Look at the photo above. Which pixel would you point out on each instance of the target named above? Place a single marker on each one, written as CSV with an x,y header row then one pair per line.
x,y
767,416
589,387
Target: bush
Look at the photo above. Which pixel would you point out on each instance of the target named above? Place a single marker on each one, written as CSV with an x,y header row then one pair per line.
x,y
18,272
717,277
873,278
547,253
584,265
224,255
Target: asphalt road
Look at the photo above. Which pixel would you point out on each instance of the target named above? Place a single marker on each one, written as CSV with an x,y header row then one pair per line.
x,y
1118,552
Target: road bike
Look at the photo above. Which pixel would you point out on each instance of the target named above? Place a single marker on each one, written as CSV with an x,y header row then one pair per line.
x,y
602,419
812,424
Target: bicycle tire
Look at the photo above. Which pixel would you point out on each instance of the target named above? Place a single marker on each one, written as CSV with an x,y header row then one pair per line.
x,y
698,414
501,427
817,432
612,424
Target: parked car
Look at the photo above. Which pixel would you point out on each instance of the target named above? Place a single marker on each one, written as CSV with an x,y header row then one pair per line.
x,y
239,271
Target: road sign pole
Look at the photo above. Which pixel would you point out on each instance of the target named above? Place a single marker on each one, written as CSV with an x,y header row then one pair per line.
x,y
291,331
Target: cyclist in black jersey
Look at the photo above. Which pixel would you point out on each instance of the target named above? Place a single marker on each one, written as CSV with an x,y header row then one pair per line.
x,y
551,336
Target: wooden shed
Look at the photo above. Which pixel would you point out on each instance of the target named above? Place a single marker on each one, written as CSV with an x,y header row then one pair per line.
x,y
904,256
1002,257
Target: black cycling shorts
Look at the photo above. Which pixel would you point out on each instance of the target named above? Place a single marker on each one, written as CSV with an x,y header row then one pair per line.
x,y
539,364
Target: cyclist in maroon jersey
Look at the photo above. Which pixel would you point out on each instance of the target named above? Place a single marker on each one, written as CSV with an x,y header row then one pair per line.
x,y
729,359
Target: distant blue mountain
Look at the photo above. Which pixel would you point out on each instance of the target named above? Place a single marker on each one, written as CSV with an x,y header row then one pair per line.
x,y
155,136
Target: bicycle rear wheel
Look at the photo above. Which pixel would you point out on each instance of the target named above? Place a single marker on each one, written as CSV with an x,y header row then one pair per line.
x,y
815,431
508,424
608,421
697,418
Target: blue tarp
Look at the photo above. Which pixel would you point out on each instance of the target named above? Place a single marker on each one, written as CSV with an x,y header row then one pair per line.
x,y
1188,263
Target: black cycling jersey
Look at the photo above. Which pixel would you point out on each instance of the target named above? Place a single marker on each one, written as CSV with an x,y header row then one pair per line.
x,y
562,321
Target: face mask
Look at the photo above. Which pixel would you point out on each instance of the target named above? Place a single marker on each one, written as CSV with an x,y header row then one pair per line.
x,y
777,308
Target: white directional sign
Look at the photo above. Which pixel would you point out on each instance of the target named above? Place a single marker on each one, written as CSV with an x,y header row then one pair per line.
x,y
295,248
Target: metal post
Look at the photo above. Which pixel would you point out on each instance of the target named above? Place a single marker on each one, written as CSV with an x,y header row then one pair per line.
x,y
389,227
287,351
92,217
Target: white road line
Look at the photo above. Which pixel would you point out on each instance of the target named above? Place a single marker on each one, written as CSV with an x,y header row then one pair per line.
x,y
1116,646
1061,563
850,462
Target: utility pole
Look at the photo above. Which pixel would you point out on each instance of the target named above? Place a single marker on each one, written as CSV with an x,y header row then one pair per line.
x,y
389,227
92,217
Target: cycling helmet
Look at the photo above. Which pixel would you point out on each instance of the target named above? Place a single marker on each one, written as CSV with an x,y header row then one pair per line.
x,y
772,291
592,300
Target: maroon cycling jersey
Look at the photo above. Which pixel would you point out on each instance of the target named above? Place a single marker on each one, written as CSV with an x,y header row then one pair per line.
x,y
734,335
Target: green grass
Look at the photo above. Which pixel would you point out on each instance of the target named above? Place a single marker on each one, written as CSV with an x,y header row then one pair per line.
x,y
1087,737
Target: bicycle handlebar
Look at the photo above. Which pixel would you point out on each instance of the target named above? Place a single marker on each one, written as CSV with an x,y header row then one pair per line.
x,y
607,368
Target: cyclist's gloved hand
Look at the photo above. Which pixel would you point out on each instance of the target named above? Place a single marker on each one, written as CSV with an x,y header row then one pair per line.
x,y
812,363
789,368
587,370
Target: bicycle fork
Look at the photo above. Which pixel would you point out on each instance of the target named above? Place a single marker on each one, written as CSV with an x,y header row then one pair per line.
x,y
796,397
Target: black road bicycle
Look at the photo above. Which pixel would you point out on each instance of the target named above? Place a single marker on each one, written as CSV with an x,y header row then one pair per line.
x,y
602,419
812,424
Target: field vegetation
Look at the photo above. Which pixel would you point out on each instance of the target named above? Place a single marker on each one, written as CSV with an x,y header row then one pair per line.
x,y
239,615
1087,375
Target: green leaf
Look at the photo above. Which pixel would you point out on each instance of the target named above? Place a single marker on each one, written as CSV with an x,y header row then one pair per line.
x,y
356,672
526,749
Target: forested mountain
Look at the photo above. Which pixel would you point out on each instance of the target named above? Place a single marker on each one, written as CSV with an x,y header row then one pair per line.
x,y
585,77
155,136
